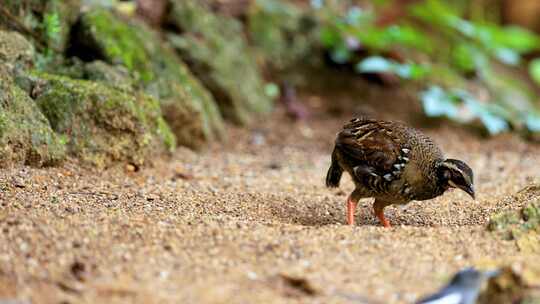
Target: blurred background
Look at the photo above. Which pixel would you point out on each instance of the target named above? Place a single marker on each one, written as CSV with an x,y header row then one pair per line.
x,y
472,63
174,151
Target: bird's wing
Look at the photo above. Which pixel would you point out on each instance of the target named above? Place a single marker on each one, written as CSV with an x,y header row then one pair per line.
x,y
372,143
445,298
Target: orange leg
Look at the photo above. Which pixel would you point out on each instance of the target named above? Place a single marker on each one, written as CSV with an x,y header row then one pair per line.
x,y
378,209
351,208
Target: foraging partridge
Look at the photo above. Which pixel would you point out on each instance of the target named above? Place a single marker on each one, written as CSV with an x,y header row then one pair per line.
x,y
394,164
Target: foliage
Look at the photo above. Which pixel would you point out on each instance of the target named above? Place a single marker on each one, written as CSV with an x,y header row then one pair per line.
x,y
281,33
470,69
51,29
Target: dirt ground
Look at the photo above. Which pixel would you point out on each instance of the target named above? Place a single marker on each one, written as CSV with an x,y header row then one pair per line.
x,y
249,221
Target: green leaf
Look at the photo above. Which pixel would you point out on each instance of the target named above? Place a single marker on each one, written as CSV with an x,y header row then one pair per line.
x,y
519,39
494,124
340,54
375,64
374,38
507,56
330,37
487,113
463,57
534,70
408,36
533,122
271,90
355,16
411,71
437,102
52,25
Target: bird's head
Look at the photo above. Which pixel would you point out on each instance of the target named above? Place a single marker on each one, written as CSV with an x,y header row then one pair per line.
x,y
454,173
471,277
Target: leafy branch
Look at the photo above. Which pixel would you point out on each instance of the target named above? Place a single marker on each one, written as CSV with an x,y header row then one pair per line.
x,y
470,70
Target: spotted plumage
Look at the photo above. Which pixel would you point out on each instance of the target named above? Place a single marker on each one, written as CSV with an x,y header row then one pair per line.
x,y
394,164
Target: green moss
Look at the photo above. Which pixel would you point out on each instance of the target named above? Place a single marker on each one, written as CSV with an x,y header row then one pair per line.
x,y
165,132
33,13
219,55
283,34
513,285
25,134
101,124
116,76
189,109
119,43
15,49
522,226
503,221
531,215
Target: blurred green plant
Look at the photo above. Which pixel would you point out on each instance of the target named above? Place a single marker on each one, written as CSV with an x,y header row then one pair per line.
x,y
51,27
469,69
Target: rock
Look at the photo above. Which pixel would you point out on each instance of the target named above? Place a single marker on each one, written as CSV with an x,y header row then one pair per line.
x,y
188,108
523,226
33,12
217,52
101,124
116,76
15,50
113,75
26,136
283,34
515,284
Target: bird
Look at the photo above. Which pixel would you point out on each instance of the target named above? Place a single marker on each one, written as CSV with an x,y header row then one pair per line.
x,y
462,289
393,163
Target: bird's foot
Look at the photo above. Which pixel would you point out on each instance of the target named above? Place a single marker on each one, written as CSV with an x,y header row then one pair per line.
x,y
351,208
384,221
378,209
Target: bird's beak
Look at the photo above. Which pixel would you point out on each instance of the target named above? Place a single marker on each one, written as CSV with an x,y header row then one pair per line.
x,y
469,189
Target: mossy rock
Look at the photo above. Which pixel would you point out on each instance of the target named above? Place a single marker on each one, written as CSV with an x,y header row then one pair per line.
x,y
217,52
15,50
523,226
32,13
117,76
102,124
25,134
188,107
513,285
283,34
114,75
528,218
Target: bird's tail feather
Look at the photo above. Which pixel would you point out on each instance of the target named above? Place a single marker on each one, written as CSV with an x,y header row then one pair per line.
x,y
334,173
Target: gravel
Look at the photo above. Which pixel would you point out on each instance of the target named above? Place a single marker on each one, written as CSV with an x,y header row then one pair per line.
x,y
248,221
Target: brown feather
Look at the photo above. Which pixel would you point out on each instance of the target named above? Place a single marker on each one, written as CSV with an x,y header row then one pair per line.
x,y
388,160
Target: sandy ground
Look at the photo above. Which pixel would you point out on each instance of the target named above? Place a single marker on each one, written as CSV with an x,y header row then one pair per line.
x,y
249,221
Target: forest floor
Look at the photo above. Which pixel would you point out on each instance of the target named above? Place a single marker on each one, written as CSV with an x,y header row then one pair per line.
x,y
249,221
